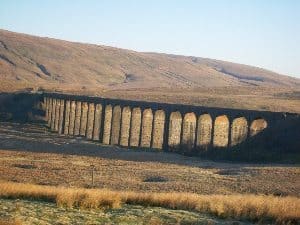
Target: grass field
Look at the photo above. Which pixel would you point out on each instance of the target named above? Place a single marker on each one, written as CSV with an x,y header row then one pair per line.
x,y
142,181
23,212
30,154
249,207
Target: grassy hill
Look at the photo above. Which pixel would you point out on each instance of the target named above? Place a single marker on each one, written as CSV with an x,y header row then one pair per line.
x,y
38,62
31,60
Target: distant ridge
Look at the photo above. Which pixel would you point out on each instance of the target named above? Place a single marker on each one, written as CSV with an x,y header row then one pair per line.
x,y
30,61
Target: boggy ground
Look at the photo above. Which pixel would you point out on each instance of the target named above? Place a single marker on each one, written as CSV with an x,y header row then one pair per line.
x,y
30,153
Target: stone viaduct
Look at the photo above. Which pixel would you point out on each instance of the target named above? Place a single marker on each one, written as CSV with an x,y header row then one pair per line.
x,y
153,125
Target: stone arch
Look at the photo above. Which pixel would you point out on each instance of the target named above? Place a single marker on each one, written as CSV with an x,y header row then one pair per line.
x,y
189,130
97,122
239,130
90,121
175,129
204,130
77,118
257,126
158,129
83,119
116,124
135,127
107,124
221,131
146,128
125,126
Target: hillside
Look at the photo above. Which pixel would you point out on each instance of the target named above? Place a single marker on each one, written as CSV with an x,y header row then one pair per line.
x,y
29,60
37,62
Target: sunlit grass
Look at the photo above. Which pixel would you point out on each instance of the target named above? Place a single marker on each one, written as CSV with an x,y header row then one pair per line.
x,y
253,207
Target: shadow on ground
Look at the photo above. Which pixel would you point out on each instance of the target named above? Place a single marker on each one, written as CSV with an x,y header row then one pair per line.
x,y
36,137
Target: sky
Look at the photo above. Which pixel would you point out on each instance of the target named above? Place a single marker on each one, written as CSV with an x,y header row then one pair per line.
x,y
263,33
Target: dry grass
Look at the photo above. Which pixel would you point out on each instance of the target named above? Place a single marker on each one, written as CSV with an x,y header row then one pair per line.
x,y
41,157
10,222
253,207
66,197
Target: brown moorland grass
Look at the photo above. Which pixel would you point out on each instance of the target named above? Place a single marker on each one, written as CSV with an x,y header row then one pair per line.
x,y
10,222
285,210
31,154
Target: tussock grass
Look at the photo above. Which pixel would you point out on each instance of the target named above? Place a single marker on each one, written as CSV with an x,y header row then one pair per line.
x,y
65,197
10,222
253,207
284,210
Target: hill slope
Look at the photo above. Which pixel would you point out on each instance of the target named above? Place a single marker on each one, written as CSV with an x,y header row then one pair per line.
x,y
30,61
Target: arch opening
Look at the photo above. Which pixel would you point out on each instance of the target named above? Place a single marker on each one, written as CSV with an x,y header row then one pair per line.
x,y
90,121
72,118
77,118
147,120
258,126
53,114
125,126
175,130
158,129
189,130
239,130
97,122
204,131
57,112
221,131
67,117
107,124
116,124
135,127
61,116
84,116
49,111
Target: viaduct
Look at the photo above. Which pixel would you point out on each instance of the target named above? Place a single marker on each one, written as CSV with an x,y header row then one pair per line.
x,y
159,126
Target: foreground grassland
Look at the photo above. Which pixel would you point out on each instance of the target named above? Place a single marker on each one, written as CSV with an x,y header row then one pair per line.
x,y
132,183
249,207
30,154
24,212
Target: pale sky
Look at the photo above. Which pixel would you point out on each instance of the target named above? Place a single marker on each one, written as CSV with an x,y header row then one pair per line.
x,y
263,33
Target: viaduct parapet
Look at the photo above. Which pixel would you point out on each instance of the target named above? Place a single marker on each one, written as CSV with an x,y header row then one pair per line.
x,y
153,125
